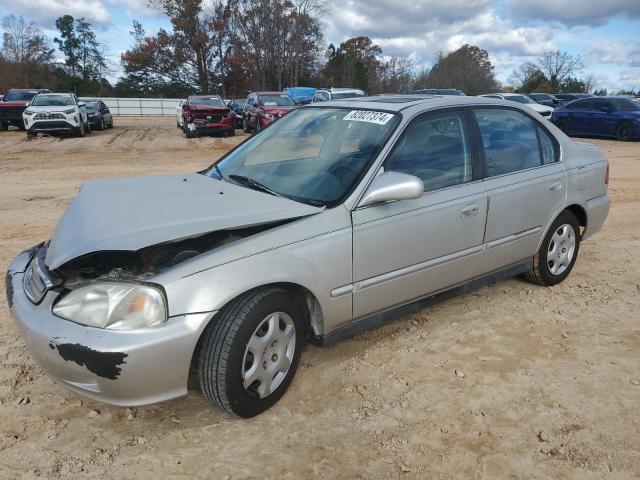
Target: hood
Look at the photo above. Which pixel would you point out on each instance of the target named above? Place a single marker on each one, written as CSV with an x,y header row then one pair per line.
x,y
538,107
132,213
14,103
206,108
51,108
277,110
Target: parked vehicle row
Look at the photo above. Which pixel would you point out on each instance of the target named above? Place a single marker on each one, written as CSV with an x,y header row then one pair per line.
x,y
613,116
543,110
392,204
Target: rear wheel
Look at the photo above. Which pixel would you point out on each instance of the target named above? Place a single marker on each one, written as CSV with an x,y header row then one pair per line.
x,y
558,252
245,125
251,351
625,131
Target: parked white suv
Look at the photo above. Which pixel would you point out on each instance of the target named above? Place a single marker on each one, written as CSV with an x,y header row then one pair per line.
x,y
543,110
337,94
55,113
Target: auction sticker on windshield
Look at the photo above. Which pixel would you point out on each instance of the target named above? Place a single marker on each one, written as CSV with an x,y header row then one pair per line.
x,y
381,118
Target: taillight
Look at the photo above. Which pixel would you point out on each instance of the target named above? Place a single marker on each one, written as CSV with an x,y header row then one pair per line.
x,y
606,175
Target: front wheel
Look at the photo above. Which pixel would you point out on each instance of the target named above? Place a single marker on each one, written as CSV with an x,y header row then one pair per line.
x,y
101,124
251,351
80,132
245,125
558,252
625,131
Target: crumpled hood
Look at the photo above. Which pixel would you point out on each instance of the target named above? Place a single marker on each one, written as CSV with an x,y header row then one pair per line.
x,y
277,110
133,213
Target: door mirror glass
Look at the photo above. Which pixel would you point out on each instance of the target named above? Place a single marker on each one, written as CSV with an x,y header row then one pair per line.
x,y
390,186
81,104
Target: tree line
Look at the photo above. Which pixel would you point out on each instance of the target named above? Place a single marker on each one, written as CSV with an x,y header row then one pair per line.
x,y
230,47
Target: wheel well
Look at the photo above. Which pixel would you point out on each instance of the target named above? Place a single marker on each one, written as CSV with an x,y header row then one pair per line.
x,y
580,214
314,320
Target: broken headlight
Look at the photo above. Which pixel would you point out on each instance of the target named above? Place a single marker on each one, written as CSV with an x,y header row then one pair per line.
x,y
113,305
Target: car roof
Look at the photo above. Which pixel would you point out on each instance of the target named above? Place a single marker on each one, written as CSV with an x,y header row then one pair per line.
x,y
48,94
269,93
396,103
205,96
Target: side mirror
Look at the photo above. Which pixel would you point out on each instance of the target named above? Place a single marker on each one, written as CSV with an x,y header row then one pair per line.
x,y
391,186
28,103
81,104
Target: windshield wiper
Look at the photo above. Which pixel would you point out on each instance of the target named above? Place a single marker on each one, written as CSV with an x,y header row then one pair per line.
x,y
251,183
218,172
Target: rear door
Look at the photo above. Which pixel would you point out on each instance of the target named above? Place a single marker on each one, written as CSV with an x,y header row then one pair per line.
x,y
407,249
524,180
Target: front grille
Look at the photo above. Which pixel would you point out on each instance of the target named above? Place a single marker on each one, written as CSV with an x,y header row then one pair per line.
x,y
11,112
210,118
48,116
36,281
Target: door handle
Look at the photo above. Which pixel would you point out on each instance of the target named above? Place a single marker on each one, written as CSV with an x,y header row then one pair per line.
x,y
555,186
470,210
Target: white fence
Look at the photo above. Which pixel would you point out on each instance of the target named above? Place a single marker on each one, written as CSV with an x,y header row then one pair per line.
x,y
141,106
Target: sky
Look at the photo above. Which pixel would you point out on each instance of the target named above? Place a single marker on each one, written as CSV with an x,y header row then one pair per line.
x,y
604,33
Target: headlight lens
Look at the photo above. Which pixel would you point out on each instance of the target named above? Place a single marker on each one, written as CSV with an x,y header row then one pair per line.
x,y
70,111
28,112
113,305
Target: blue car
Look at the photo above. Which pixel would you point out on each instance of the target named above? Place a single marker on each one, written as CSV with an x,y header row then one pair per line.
x,y
617,117
300,95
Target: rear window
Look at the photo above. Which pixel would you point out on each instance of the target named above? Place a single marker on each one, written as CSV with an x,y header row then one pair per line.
x,y
510,140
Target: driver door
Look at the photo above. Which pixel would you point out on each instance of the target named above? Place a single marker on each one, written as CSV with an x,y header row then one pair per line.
x,y
407,249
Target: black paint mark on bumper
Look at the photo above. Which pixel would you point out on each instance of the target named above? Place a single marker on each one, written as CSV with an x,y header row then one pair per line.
x,y
103,364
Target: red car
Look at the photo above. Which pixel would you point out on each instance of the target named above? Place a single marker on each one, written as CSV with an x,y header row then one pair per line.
x,y
262,108
207,114
13,104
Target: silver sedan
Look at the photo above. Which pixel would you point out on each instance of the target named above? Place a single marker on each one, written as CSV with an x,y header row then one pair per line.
x,y
338,217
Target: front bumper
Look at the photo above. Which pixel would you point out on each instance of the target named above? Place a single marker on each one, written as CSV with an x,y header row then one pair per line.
x,y
203,126
51,126
127,368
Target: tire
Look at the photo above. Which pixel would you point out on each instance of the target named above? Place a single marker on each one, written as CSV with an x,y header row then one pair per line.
x,y
563,240
187,132
245,125
226,351
87,127
232,132
80,132
111,123
258,125
31,134
625,132
178,124
4,126
101,125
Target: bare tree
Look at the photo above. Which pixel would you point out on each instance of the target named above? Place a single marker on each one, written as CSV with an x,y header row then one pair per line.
x,y
26,52
558,66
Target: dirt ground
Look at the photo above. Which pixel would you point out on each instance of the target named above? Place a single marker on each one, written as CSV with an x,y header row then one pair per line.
x,y
551,385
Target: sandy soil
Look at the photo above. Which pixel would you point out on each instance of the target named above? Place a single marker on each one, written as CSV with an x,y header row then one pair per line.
x,y
551,385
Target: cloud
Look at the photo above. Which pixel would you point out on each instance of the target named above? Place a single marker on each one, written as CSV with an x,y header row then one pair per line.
x,y
571,12
45,12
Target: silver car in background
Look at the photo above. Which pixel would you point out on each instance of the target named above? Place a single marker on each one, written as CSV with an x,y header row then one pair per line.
x,y
336,218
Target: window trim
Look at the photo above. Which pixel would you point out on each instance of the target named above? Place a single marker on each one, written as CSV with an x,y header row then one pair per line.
x,y
537,124
475,161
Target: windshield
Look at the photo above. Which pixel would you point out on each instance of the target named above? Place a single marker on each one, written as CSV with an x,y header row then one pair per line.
x,y
519,99
61,100
92,106
312,155
276,100
209,102
346,95
18,96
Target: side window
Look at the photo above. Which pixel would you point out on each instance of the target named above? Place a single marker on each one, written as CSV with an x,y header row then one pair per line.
x,y
548,146
435,148
509,139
